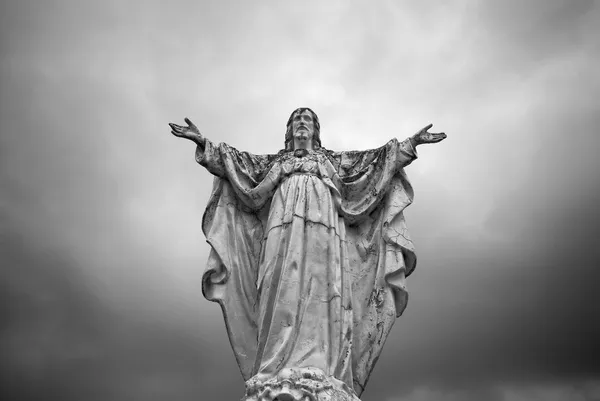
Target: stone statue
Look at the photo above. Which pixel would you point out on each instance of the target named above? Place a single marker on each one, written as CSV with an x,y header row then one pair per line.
x,y
309,256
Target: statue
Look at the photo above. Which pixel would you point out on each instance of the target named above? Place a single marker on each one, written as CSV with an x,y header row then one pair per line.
x,y
309,257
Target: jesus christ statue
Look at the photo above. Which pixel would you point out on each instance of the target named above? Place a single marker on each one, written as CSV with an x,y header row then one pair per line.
x,y
309,257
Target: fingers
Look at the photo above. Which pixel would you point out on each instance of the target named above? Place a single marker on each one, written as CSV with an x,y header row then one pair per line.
x,y
176,127
177,133
178,130
190,123
437,137
184,132
423,131
182,128
432,137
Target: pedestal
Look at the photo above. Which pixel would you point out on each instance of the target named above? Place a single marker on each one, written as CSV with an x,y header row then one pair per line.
x,y
304,384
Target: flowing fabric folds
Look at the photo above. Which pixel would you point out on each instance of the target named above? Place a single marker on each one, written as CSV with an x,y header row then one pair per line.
x,y
370,190
235,237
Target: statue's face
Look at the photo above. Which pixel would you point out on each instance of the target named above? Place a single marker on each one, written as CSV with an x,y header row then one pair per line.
x,y
303,129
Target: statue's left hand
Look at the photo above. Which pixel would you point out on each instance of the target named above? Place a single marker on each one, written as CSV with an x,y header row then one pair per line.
x,y
423,136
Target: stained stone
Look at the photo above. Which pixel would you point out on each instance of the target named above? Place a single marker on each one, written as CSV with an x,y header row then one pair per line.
x,y
309,258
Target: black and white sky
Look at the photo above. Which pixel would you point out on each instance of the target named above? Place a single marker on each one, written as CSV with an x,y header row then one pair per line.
x,y
101,249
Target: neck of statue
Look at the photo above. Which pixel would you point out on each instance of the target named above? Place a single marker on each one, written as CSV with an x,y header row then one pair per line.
x,y
307,145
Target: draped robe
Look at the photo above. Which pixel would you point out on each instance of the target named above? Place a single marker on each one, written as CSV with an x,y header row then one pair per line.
x,y
309,256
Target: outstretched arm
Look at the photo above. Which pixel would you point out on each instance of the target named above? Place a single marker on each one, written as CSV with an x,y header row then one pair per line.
x,y
400,154
207,154
213,157
423,136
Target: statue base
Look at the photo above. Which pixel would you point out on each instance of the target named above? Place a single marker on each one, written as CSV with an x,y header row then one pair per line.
x,y
300,384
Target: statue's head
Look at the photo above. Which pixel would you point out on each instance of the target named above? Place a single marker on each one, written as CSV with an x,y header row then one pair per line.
x,y
303,129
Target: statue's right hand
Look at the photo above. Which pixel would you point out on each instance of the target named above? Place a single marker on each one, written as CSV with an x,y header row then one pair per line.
x,y
190,132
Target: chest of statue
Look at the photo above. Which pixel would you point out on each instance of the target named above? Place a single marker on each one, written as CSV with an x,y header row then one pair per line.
x,y
303,163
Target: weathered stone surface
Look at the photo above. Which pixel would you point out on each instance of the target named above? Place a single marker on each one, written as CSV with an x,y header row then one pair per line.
x,y
299,384
309,258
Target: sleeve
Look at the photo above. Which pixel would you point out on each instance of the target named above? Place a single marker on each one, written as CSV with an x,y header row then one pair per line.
x,y
210,158
406,153
395,155
225,161
351,164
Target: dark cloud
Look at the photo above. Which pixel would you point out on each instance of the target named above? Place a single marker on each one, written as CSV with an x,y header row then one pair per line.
x,y
60,341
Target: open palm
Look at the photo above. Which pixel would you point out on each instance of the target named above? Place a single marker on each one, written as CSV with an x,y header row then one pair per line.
x,y
424,136
190,131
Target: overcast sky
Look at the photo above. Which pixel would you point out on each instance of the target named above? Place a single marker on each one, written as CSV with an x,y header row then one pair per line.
x,y
100,207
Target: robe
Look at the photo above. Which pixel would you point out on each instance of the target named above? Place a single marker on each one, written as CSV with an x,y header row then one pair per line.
x,y
309,256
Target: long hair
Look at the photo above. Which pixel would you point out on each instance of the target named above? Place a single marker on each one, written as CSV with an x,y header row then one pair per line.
x,y
289,136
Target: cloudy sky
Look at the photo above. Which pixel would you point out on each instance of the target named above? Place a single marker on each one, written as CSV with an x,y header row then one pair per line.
x,y
101,250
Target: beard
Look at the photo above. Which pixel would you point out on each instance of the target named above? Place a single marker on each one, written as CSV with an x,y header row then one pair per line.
x,y
302,140
302,134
